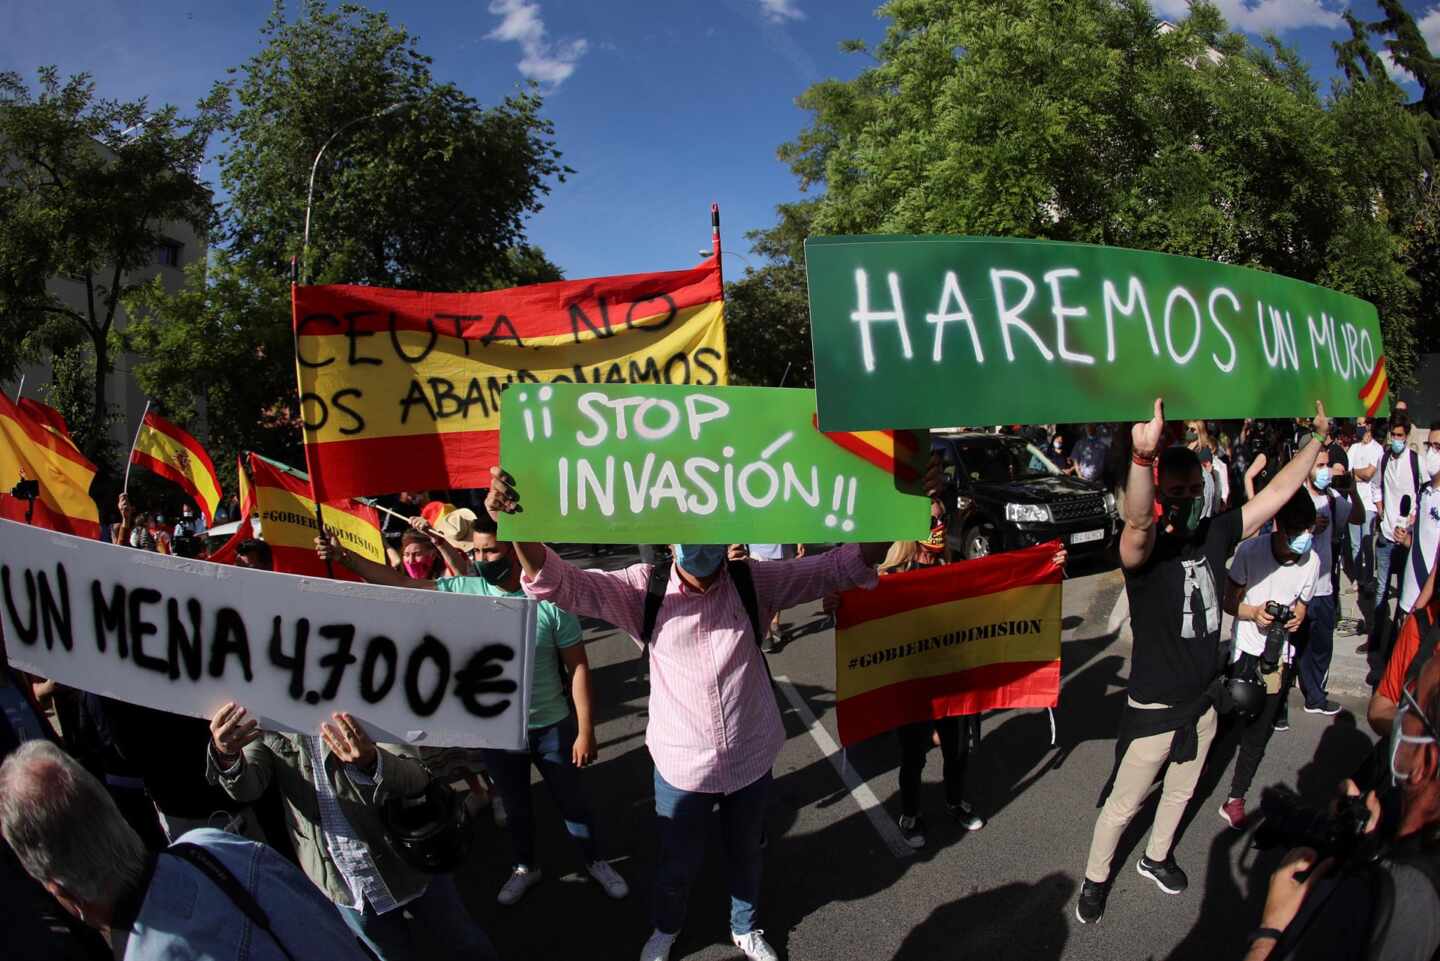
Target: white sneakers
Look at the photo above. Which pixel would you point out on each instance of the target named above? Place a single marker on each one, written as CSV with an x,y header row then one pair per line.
x,y
609,879
658,947
754,946
521,879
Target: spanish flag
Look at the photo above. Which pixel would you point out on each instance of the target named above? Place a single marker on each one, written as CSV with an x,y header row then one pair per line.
x,y
244,529
166,450
944,641
287,521
1376,389
401,389
32,451
47,417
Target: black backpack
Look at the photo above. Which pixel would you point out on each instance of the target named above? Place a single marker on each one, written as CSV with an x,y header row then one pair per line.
x,y
655,596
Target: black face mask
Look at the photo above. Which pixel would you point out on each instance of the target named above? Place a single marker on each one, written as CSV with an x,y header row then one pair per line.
x,y
496,572
1183,515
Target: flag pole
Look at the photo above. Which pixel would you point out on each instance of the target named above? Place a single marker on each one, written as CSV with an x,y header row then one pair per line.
x,y
715,242
20,390
300,401
131,459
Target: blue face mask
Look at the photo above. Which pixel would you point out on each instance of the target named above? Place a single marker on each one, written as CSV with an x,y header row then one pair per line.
x,y
1300,544
1397,445
700,560
1322,478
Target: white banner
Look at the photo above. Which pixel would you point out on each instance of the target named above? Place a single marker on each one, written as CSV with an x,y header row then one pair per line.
x,y
422,667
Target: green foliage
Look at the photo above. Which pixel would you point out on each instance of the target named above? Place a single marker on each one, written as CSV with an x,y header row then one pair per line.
x,y
431,195
1085,121
87,187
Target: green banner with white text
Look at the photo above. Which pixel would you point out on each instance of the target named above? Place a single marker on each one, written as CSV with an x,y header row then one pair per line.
x,y
657,464
975,331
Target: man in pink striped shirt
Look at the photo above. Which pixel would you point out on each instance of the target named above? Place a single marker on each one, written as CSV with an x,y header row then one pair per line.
x,y
714,728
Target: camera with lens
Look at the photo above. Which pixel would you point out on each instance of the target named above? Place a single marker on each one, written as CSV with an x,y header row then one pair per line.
x,y
1275,636
1288,822
26,490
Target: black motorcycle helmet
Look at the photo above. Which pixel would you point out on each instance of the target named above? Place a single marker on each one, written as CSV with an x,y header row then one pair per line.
x,y
1245,688
430,830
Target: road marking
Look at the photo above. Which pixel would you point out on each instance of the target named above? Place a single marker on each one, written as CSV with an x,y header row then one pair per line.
x,y
888,830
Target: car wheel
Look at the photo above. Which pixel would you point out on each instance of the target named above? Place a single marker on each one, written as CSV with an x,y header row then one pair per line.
x,y
979,542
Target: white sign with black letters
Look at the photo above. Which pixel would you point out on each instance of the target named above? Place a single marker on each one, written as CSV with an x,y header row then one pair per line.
x,y
421,667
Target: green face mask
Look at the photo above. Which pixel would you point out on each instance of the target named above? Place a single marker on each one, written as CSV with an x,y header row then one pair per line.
x,y
1183,515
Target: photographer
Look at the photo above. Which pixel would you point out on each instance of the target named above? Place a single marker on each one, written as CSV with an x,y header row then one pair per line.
x,y
1326,904
1272,580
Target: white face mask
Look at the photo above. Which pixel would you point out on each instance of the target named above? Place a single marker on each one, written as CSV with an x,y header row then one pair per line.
x,y
1399,738
1432,462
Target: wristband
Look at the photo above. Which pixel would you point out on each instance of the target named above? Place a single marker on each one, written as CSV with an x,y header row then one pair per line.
x,y
1142,458
1260,933
1319,437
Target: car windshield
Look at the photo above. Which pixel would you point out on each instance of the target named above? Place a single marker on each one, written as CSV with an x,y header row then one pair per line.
x,y
1002,460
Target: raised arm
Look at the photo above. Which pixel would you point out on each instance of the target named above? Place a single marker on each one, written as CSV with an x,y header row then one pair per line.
x,y
1137,539
505,499
327,548
1265,505
1252,472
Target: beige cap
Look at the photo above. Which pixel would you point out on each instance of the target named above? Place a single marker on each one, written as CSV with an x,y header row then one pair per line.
x,y
458,527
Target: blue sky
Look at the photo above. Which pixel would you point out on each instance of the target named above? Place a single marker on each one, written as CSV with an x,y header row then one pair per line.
x,y
660,105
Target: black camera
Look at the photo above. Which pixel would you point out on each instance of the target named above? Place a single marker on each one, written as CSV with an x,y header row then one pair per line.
x,y
1288,822
1275,636
26,490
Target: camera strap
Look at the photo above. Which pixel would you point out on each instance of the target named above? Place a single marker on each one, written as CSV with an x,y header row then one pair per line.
x,y
210,866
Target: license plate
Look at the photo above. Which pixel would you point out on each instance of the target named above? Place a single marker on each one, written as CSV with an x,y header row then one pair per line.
x,y
1085,537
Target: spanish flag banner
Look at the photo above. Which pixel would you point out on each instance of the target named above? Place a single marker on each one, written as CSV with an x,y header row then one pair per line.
x,y
166,450
287,521
32,451
1376,390
244,529
47,417
949,640
400,390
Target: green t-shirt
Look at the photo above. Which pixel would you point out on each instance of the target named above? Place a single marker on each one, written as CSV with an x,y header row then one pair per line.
x,y
554,629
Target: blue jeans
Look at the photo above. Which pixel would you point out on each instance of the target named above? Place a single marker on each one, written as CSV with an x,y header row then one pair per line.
x,y
550,749
1317,643
683,816
1358,535
439,911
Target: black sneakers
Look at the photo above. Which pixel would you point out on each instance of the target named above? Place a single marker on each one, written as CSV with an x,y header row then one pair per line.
x,y
1166,874
1091,905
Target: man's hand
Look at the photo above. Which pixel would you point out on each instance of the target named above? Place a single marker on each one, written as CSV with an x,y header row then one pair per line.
x,y
1257,614
421,526
230,730
328,549
1320,424
1402,536
1293,625
1289,886
1146,435
503,497
126,511
348,741
1061,558
737,552
584,753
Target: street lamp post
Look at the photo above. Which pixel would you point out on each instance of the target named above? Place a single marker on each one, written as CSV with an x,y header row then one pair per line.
x,y
310,193
729,253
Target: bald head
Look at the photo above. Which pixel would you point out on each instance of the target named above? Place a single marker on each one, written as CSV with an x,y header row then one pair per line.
x,y
65,828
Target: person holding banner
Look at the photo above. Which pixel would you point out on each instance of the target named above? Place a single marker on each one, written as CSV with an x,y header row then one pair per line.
x,y
333,786
1174,565
561,740
714,729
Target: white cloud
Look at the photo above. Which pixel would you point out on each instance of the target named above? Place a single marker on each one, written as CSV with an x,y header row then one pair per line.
x,y
779,11
1260,16
1397,73
541,59
1430,27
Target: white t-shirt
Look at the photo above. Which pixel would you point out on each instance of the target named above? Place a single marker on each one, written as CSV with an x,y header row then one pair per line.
x,y
772,552
1422,548
1324,540
1360,456
1399,481
1266,579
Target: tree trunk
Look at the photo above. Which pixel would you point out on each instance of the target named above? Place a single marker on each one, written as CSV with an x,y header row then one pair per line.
x,y
97,415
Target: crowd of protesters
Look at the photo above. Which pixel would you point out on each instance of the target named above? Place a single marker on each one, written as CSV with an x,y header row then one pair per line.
x,y
138,834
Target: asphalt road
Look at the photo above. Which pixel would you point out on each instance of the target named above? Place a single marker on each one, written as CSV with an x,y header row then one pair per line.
x,y
835,890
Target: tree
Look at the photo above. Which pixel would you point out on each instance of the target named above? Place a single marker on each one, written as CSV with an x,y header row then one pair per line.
x,y
1089,121
420,186
87,187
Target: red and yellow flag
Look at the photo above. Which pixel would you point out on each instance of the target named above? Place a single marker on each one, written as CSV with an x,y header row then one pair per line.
x,y
47,417
949,640
32,451
244,530
166,450
400,390
1376,389
287,521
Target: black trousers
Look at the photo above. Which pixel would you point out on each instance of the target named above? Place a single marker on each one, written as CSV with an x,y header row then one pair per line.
x,y
915,743
1255,736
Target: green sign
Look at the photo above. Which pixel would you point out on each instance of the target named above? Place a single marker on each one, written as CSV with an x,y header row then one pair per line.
x,y
648,464
973,331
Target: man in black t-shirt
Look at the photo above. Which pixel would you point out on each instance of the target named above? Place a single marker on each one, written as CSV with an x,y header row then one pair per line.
x,y
1174,566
